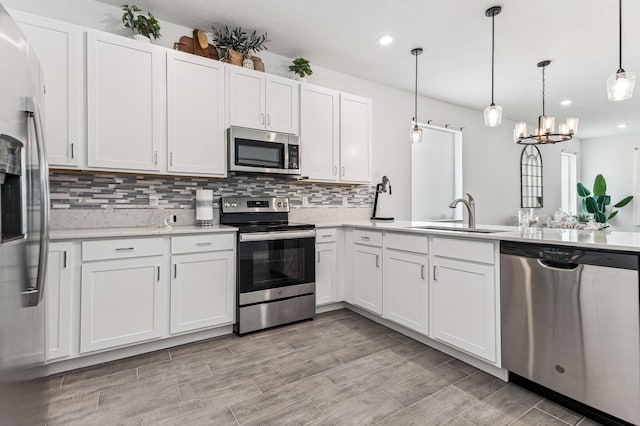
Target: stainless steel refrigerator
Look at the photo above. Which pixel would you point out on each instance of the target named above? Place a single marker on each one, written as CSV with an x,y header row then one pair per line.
x,y
24,220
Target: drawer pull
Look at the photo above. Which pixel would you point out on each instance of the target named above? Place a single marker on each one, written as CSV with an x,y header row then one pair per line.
x,y
327,236
365,238
125,249
204,244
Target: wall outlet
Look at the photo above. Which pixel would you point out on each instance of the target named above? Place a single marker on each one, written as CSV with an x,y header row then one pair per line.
x,y
345,201
154,200
305,201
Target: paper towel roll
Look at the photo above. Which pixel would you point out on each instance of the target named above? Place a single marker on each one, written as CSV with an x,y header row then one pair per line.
x,y
204,204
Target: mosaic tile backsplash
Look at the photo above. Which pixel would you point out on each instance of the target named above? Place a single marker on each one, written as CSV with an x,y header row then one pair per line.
x,y
75,190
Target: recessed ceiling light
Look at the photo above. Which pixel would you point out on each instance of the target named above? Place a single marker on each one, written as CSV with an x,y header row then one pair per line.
x,y
385,40
622,125
566,102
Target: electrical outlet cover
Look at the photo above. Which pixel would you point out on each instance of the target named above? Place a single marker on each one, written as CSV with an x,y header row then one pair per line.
x,y
154,200
305,201
345,201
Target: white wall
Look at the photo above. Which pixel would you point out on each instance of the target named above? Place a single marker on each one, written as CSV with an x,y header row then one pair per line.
x,y
612,156
490,158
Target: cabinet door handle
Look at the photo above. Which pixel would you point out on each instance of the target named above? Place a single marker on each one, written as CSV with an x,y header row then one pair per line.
x,y
73,153
158,273
377,260
175,270
422,271
343,170
262,118
335,170
155,158
435,273
204,244
171,158
125,249
64,259
268,119
318,257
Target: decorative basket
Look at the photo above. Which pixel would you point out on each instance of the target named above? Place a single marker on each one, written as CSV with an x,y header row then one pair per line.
x,y
258,65
232,57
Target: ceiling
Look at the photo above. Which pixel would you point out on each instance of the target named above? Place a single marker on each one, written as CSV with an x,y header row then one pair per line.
x,y
579,36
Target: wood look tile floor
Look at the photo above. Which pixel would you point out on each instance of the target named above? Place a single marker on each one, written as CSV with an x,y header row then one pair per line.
x,y
339,369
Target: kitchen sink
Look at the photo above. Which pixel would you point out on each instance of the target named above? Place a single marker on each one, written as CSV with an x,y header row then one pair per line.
x,y
446,228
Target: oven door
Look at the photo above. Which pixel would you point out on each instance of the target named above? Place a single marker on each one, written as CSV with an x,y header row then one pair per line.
x,y
275,265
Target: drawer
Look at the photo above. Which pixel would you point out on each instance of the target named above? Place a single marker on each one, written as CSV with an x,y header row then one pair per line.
x,y
475,251
326,235
201,243
121,249
370,238
406,242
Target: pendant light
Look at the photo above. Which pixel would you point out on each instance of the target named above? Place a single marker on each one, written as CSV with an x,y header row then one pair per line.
x,y
545,133
493,113
416,131
620,85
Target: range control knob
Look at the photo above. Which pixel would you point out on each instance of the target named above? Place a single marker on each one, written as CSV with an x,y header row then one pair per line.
x,y
284,204
279,204
234,204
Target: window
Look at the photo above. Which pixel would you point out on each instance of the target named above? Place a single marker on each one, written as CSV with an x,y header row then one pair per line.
x,y
569,181
436,174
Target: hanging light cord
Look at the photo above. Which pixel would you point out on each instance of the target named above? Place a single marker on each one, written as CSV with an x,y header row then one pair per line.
x,y
415,119
620,35
493,42
543,86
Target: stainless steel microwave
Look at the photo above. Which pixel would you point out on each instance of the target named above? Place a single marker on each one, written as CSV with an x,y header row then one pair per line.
x,y
261,151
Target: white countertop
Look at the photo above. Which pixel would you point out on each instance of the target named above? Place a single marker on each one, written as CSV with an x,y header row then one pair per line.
x,y
607,240
70,234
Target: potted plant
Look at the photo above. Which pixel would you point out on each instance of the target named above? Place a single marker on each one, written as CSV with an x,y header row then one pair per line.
x,y
146,26
255,43
300,68
597,203
230,44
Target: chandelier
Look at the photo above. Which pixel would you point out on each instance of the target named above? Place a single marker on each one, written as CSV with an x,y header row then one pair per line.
x,y
545,132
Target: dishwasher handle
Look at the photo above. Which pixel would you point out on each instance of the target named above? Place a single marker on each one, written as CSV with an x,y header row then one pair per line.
x,y
558,266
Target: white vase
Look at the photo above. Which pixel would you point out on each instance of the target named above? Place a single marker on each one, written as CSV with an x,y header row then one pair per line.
x,y
298,78
247,62
141,38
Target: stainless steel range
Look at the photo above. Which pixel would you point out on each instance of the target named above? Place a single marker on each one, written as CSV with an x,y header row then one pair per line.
x,y
275,264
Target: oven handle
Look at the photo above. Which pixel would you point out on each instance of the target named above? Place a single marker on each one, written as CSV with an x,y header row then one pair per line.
x,y
279,235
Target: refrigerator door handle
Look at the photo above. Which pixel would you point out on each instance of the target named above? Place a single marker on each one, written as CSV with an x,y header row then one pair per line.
x,y
33,111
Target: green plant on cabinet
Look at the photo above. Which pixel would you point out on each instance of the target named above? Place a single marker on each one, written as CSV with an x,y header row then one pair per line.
x,y
598,202
301,67
145,25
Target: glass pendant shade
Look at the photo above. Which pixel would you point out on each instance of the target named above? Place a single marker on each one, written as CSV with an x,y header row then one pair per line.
x,y
620,86
416,134
546,125
520,131
572,126
493,115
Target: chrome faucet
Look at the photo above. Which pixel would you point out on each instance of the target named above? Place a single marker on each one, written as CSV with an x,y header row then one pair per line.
x,y
471,208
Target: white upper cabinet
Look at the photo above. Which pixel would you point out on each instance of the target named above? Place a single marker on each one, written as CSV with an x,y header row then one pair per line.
x,y
58,46
262,101
195,115
320,133
355,139
125,103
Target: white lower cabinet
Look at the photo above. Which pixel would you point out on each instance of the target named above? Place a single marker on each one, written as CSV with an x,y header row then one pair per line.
x,y
406,289
463,306
367,277
58,298
326,277
202,290
121,302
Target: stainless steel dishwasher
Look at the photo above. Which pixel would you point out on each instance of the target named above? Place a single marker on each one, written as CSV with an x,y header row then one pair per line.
x,y
570,322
